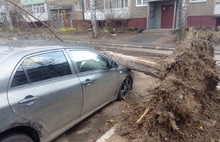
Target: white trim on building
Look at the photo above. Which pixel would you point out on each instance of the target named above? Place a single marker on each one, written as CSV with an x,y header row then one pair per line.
x,y
194,1
141,3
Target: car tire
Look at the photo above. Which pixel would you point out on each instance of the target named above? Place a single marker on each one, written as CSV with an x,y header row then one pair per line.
x,y
16,137
125,88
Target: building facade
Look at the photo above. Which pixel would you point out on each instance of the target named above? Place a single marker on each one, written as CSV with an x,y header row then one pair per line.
x,y
203,13
146,14
37,8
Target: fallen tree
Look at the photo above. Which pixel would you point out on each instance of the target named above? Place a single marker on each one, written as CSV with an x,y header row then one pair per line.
x,y
146,66
183,107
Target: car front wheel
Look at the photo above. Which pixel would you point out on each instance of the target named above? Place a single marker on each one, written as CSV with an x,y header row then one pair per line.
x,y
125,88
16,137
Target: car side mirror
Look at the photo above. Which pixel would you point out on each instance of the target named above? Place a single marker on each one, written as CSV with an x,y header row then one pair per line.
x,y
114,64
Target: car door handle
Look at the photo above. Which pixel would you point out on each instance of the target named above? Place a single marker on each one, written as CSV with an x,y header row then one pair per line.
x,y
88,82
28,100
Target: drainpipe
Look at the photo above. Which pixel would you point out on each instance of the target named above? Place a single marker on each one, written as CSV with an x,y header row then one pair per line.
x,y
148,15
83,10
174,15
58,13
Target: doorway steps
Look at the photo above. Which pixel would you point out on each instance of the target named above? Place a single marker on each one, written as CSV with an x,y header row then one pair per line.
x,y
160,31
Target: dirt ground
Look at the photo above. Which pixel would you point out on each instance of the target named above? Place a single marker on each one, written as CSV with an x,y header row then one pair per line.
x,y
185,106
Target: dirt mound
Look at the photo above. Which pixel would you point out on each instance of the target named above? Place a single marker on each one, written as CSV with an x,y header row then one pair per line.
x,y
185,106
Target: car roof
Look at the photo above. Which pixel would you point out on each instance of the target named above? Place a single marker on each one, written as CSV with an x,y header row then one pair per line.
x,y
29,46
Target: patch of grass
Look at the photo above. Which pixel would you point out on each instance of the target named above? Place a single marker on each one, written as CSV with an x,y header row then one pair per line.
x,y
69,30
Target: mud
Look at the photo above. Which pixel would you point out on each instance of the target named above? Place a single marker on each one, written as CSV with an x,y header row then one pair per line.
x,y
185,106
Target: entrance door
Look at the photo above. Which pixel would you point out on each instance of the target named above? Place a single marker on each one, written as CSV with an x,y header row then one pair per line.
x,y
167,16
66,18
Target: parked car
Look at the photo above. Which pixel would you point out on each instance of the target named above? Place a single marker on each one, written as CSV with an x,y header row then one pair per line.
x,y
46,90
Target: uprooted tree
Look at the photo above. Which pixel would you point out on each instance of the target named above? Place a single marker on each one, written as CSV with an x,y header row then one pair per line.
x,y
182,106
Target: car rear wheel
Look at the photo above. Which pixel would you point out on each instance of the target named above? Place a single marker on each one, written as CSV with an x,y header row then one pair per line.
x,y
125,88
16,137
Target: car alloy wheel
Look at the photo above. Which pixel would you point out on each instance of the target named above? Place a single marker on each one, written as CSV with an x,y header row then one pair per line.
x,y
125,88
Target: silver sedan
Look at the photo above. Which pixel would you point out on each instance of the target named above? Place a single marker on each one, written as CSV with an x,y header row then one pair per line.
x,y
46,89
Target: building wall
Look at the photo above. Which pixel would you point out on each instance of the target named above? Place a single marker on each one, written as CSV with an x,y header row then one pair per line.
x,y
201,21
201,14
137,23
138,15
137,11
77,15
201,8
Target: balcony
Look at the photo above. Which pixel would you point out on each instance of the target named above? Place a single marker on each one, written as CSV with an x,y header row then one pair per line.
x,y
114,13
217,8
40,16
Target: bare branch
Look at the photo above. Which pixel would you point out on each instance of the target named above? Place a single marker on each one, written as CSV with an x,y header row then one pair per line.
x,y
35,19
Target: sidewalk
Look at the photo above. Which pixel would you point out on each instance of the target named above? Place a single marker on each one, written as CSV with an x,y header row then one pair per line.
x,y
143,40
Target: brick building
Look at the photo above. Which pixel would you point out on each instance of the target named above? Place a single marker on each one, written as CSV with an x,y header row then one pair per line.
x,y
146,14
161,14
37,7
203,13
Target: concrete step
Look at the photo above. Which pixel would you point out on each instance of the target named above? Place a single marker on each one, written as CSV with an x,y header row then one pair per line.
x,y
160,31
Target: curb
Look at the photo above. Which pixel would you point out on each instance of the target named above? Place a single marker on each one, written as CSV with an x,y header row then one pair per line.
x,y
129,45
108,134
123,45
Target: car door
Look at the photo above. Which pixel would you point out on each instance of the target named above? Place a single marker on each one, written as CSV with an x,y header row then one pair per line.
x,y
45,89
99,80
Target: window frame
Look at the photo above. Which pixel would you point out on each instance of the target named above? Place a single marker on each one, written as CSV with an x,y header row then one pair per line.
x,y
38,8
73,72
140,5
78,7
118,5
13,76
91,71
197,1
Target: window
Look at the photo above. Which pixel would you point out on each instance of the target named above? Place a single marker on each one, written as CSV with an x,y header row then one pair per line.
x,y
36,8
88,61
198,1
116,3
20,78
141,2
46,66
78,6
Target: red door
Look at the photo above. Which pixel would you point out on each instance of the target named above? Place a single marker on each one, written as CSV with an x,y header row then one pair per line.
x,y
167,16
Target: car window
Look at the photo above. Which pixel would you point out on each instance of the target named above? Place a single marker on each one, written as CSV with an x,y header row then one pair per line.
x,y
20,78
88,61
46,66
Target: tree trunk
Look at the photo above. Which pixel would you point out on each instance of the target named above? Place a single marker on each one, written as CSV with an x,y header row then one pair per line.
x,y
93,19
145,66
183,5
9,20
